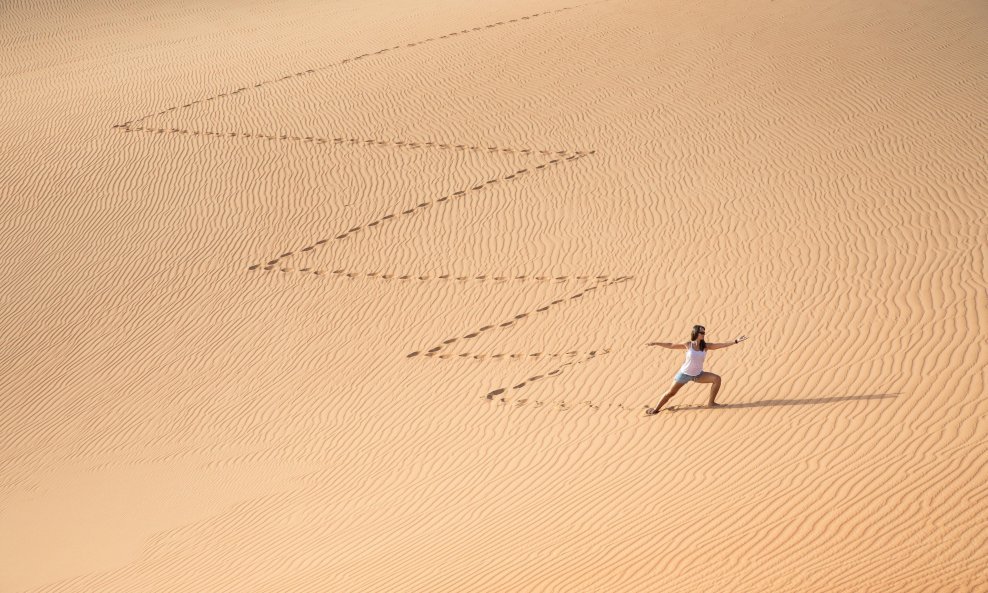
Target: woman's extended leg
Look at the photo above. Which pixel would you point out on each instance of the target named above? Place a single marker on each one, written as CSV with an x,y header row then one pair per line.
x,y
714,381
675,387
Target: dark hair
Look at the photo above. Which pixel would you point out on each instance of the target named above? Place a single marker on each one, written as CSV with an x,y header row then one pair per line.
x,y
696,332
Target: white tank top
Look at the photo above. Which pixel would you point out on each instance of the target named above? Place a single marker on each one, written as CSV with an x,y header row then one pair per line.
x,y
694,361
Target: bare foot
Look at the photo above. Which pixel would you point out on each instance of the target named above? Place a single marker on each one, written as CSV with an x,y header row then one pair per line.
x,y
651,412
714,405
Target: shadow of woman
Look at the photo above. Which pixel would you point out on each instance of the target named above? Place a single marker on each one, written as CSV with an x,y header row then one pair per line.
x,y
795,402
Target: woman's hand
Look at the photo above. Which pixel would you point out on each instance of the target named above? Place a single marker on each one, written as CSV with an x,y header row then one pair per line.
x,y
740,339
652,344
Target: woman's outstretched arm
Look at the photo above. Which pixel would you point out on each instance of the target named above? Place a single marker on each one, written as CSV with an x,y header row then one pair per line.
x,y
669,345
715,346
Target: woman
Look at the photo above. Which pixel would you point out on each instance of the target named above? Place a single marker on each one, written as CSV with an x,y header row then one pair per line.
x,y
692,369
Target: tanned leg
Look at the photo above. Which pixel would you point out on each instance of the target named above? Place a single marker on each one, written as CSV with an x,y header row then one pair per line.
x,y
675,387
714,388
714,380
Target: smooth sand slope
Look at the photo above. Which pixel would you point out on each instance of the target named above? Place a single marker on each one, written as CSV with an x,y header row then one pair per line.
x,y
265,262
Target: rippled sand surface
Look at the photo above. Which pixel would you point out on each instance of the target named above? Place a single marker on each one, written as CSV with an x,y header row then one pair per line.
x,y
350,296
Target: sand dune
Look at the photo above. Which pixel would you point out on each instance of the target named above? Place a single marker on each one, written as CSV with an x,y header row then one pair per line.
x,y
355,297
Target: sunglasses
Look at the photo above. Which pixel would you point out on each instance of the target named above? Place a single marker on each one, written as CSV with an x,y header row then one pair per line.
x,y
701,333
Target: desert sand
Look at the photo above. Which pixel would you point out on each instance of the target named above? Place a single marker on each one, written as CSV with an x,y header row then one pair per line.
x,y
355,296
